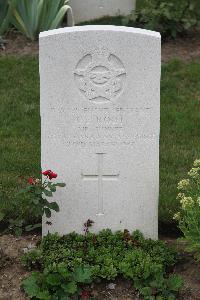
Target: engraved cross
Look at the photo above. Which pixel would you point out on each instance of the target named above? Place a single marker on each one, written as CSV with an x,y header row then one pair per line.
x,y
100,177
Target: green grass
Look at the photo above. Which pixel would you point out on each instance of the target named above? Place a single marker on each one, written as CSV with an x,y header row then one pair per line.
x,y
180,129
19,124
20,127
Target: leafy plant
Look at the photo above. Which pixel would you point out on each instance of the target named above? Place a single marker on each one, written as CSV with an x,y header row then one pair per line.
x,y
168,17
56,282
32,200
3,10
108,255
33,16
189,215
6,9
32,259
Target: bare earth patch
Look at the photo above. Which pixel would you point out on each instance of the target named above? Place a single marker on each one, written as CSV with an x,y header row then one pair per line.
x,y
186,49
11,270
12,274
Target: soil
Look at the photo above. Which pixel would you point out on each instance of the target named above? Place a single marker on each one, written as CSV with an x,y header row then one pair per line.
x,y
184,48
12,273
11,270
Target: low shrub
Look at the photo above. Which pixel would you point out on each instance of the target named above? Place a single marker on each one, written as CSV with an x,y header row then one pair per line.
x,y
108,255
189,215
169,17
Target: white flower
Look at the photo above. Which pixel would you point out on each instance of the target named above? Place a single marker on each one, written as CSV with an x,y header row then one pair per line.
x,y
183,184
194,172
177,216
197,163
180,196
186,202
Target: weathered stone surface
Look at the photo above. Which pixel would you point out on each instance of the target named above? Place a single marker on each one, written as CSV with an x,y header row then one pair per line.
x,y
85,10
100,119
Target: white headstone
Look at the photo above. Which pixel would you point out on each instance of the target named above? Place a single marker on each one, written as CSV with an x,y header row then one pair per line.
x,y
85,10
100,120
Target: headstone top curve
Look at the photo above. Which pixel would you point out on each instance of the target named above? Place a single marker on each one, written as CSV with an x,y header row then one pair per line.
x,y
99,28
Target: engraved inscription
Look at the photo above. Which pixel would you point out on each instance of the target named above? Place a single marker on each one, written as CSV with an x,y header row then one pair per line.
x,y
100,76
103,126
100,177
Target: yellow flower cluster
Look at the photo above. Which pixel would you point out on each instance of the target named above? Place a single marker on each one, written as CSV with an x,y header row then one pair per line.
x,y
198,201
194,172
183,184
180,196
197,163
186,202
177,216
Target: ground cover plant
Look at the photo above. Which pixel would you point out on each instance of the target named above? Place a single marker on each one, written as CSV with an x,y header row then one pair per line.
x,y
20,129
65,262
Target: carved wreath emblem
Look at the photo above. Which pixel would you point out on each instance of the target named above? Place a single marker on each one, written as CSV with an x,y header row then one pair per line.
x,y
100,76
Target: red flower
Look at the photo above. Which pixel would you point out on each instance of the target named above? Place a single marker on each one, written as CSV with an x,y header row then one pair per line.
x,y
49,174
46,173
52,175
31,181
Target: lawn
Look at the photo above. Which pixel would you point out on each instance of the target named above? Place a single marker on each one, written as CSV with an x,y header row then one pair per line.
x,y
20,127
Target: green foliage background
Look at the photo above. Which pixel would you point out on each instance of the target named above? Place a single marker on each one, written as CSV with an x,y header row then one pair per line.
x,y
168,17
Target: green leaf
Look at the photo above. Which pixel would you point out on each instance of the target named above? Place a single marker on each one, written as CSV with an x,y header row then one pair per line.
x,y
70,288
82,274
30,285
44,295
53,279
175,282
54,206
52,188
38,191
60,295
61,184
63,271
18,231
170,297
47,212
35,201
22,191
48,193
146,291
